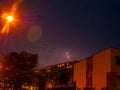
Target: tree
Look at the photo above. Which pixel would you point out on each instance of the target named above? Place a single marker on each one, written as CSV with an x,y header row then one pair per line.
x,y
19,68
63,77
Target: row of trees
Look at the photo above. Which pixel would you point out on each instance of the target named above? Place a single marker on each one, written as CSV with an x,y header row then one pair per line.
x,y
18,68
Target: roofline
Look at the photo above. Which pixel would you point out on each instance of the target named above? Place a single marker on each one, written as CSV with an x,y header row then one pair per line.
x,y
62,63
98,53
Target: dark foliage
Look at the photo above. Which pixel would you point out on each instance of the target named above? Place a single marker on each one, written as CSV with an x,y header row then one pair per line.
x,y
19,68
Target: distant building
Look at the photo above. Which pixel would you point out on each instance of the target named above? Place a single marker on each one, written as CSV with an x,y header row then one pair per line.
x,y
59,75
99,72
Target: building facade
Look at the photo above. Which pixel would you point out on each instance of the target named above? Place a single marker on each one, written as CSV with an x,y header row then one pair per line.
x,y
100,71
58,76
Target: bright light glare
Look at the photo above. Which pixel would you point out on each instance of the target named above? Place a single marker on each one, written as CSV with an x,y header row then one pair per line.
x,y
10,18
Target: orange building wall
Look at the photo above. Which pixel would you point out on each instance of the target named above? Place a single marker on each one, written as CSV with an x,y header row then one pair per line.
x,y
115,53
80,74
104,63
101,65
115,68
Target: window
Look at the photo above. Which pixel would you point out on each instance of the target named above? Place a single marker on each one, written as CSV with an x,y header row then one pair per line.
x,y
89,89
104,89
117,60
89,64
89,81
89,67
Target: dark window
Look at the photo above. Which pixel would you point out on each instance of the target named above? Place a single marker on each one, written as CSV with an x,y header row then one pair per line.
x,y
117,60
104,89
89,67
118,77
89,89
90,81
89,64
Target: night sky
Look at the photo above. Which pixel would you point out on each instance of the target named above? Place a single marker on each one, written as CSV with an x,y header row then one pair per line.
x,y
57,28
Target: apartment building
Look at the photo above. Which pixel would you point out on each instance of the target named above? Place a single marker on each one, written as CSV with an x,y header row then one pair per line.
x,y
100,71
59,75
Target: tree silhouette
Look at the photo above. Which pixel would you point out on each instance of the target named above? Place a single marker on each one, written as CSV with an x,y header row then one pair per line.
x,y
19,68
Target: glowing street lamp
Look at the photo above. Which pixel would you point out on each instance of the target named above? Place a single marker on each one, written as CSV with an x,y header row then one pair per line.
x,y
10,18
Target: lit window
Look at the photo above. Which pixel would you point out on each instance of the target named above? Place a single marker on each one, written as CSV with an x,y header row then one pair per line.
x,y
62,64
67,63
48,70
